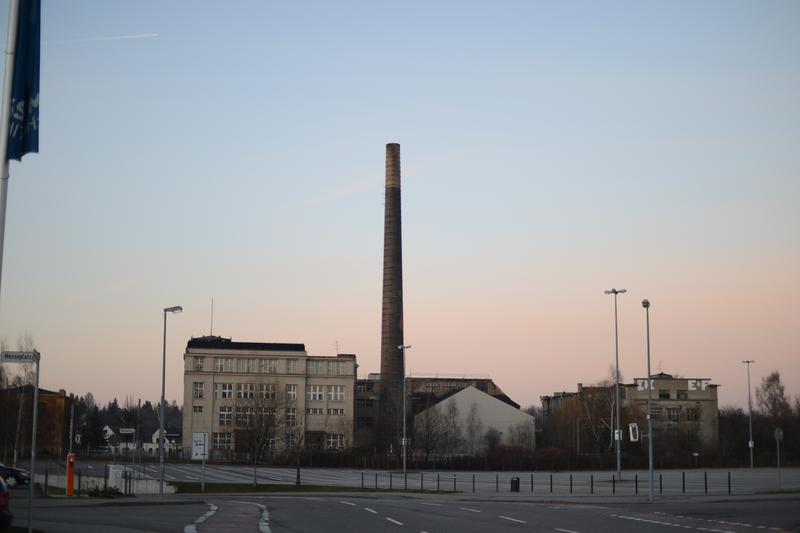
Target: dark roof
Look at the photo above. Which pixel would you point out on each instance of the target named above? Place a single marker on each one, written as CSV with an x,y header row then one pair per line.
x,y
220,343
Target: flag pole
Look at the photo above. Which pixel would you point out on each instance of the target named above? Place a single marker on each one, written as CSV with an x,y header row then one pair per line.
x,y
5,115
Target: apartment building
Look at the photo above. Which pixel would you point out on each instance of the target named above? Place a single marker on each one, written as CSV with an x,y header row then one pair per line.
x,y
229,386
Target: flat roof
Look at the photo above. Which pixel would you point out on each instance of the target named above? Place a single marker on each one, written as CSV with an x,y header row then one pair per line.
x,y
220,343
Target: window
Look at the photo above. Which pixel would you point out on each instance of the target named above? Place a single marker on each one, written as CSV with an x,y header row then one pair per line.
x,y
291,392
199,362
674,433
225,415
223,441
197,408
430,387
334,441
271,444
693,434
252,365
230,364
683,395
316,368
224,390
691,413
241,365
337,411
663,394
245,416
266,391
268,366
336,368
246,390
290,440
313,392
198,387
291,417
657,413
219,364
336,393
673,413
291,366
314,410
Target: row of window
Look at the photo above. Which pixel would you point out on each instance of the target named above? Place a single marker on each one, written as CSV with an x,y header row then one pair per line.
x,y
268,391
674,413
664,394
224,441
264,365
336,411
246,416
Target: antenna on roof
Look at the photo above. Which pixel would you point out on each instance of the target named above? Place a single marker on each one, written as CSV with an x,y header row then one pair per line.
x,y
659,366
211,333
337,347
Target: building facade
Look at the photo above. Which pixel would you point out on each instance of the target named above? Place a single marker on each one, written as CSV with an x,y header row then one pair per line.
x,y
230,386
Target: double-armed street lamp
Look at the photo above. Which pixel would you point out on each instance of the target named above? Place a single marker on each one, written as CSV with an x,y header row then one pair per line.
x,y
404,444
617,431
175,309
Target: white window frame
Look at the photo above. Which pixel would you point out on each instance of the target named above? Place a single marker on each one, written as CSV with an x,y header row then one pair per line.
x,y
336,393
291,391
315,393
198,390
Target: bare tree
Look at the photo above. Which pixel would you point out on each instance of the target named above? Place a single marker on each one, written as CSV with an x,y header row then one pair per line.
x,y
257,417
771,397
492,438
474,428
523,435
429,432
453,438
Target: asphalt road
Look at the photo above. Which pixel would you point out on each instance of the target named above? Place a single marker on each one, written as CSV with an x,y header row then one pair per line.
x,y
602,483
390,512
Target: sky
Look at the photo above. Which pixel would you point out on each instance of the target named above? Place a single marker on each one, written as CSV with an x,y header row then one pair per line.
x,y
550,151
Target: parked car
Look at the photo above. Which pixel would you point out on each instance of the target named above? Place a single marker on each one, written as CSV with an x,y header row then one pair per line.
x,y
5,512
14,476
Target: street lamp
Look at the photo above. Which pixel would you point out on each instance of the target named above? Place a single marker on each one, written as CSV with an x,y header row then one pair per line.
x,y
617,431
646,305
175,309
750,443
405,441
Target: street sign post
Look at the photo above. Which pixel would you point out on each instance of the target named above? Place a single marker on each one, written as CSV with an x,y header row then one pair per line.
x,y
778,438
28,358
200,451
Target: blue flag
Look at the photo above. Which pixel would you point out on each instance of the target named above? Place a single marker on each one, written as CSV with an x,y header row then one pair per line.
x,y
23,132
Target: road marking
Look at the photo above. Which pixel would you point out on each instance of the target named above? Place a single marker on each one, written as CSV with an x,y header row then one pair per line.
x,y
370,510
432,504
192,528
470,510
565,530
393,521
512,519
671,524
347,503
263,520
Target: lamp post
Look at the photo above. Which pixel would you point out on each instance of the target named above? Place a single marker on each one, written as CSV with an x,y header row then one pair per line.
x,y
175,309
750,443
403,349
646,305
617,431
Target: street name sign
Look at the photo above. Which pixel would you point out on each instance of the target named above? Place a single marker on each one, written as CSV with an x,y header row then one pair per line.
x,y
127,431
19,357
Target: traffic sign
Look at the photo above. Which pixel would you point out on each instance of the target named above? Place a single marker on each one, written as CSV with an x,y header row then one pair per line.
x,y
19,357
127,431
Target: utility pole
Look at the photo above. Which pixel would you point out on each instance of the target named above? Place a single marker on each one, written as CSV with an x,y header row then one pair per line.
x,y
617,430
750,444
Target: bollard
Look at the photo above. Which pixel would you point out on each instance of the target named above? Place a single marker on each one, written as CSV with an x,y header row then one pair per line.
x,y
660,485
591,484
729,480
405,480
376,480
614,484
473,483
636,483
45,482
705,482
362,480
570,483
454,482
683,482
551,483
390,481
437,482
497,483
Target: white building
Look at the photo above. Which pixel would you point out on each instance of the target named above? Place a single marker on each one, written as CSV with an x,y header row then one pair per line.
x,y
480,420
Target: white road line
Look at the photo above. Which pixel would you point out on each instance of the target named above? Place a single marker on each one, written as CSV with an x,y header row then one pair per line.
x,y
430,503
565,530
470,510
393,521
192,528
512,519
347,503
370,510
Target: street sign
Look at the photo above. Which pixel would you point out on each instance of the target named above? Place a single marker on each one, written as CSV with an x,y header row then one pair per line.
x,y
617,434
19,357
633,429
751,444
778,434
199,445
127,431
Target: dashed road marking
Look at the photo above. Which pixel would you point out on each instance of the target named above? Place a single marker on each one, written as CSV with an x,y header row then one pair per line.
x,y
431,503
648,521
512,519
470,510
347,503
373,511
393,521
565,530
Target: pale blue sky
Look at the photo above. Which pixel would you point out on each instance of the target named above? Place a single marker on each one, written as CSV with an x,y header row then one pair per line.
x,y
550,151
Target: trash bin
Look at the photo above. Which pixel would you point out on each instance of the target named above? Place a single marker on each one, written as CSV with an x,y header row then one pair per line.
x,y
514,484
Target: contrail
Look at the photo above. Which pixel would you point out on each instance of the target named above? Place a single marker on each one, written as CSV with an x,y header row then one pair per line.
x,y
111,38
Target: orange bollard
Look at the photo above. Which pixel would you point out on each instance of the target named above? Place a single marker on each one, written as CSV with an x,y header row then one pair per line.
x,y
70,473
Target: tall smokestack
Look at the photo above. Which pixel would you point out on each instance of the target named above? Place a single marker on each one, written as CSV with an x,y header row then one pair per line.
x,y
392,320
